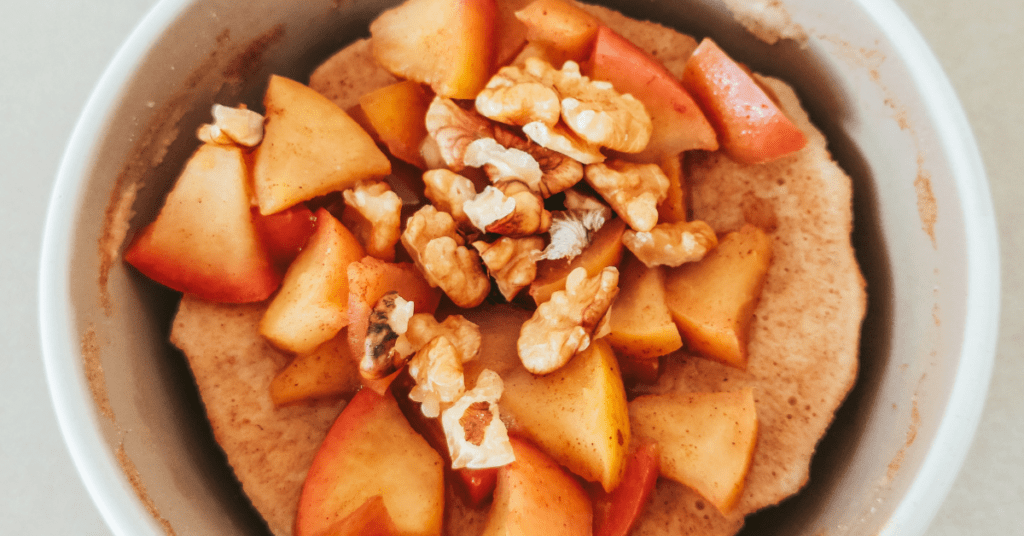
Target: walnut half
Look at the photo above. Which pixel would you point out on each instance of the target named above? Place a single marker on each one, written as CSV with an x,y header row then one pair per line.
x,y
563,325
671,244
439,252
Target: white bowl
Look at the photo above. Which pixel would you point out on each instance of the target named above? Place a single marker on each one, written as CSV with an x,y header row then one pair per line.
x,y
925,235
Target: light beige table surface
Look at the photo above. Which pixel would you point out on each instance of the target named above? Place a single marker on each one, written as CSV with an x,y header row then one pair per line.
x,y
53,51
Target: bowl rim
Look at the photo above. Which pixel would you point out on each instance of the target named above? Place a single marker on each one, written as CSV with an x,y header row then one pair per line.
x,y
124,512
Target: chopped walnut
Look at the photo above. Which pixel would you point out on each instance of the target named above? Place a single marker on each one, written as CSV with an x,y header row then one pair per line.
x,y
477,439
528,215
453,129
512,262
572,230
438,250
374,214
563,325
465,335
502,162
448,191
560,139
633,190
488,207
558,171
389,319
239,126
599,114
517,96
671,244
437,369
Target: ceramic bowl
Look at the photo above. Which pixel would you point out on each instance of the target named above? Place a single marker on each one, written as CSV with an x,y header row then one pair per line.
x,y
924,233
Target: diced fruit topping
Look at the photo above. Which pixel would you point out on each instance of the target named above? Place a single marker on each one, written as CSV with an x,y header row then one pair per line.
x,y
639,322
445,44
750,126
712,301
395,113
559,27
310,148
706,439
204,240
615,513
312,304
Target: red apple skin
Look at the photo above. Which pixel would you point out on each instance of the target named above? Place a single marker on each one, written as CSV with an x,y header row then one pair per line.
x,y
285,233
535,495
615,513
371,450
204,241
679,124
475,486
751,127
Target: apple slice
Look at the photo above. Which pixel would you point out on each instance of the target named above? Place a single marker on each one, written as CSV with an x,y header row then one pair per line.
x,y
329,373
371,450
640,322
577,414
310,148
396,113
447,44
536,496
370,519
204,240
285,232
312,304
605,250
679,124
560,27
674,208
712,301
706,439
751,127
615,513
371,278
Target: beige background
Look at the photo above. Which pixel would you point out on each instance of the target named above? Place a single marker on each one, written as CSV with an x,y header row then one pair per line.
x,y
53,51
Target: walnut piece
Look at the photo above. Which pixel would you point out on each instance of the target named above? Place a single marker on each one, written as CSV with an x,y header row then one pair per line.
x,y
465,335
633,190
437,369
488,207
448,191
560,139
528,215
517,96
599,114
502,163
389,320
512,262
563,325
239,126
453,129
558,171
439,252
374,214
671,244
475,440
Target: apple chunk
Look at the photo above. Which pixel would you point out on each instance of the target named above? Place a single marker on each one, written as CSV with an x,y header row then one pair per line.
x,y
577,414
605,250
396,112
330,372
712,301
706,439
310,148
372,450
679,124
312,304
446,44
640,322
536,496
751,127
561,27
204,241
